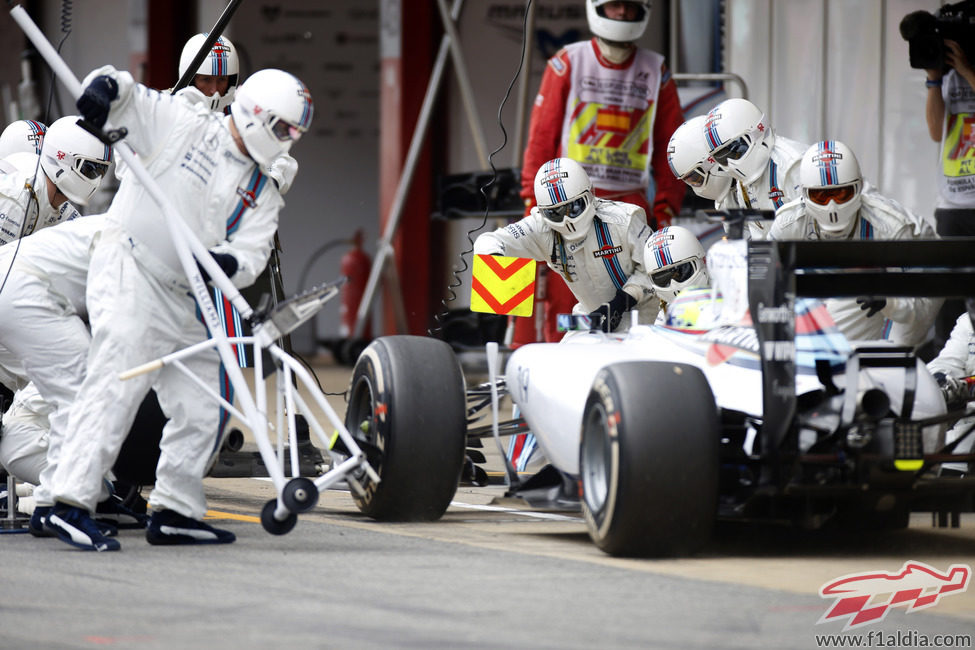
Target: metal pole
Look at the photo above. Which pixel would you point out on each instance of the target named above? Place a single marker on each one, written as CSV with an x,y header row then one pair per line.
x,y
385,247
526,73
714,76
466,92
211,38
674,64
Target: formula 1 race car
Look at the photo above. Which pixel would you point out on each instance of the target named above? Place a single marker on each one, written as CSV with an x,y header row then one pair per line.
x,y
771,415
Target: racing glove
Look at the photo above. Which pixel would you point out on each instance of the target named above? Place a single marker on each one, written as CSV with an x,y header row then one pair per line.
x,y
282,171
96,100
871,305
227,262
609,315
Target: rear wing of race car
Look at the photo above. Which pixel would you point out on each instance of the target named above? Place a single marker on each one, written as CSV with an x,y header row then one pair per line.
x,y
780,271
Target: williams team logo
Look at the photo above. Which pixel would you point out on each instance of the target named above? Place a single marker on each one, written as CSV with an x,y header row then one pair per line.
x,y
865,598
247,197
606,251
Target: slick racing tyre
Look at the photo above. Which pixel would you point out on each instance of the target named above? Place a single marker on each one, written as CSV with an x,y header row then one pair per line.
x,y
649,459
407,403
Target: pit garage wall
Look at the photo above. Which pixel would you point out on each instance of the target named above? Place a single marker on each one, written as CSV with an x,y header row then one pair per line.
x,y
838,69
333,47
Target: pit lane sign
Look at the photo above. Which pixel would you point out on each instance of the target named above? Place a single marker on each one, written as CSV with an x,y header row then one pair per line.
x,y
503,285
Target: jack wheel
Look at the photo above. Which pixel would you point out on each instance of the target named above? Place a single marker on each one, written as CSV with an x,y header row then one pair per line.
x,y
300,494
274,526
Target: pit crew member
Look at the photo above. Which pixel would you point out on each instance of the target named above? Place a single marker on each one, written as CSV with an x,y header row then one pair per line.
x,y
620,138
834,204
764,167
137,297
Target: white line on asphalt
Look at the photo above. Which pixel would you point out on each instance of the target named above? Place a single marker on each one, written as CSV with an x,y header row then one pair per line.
x,y
472,506
523,513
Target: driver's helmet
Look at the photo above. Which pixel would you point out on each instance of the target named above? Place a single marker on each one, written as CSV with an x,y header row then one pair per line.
x,y
696,308
617,31
563,193
739,138
22,135
690,161
74,159
831,185
674,260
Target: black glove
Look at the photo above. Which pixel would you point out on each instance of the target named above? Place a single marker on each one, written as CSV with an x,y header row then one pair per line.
x,y
96,100
607,318
227,262
871,305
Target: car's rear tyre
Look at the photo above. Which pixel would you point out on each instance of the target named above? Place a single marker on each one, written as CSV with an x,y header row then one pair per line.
x,y
649,459
407,401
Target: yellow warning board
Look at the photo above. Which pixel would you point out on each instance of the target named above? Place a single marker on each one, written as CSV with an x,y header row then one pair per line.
x,y
503,285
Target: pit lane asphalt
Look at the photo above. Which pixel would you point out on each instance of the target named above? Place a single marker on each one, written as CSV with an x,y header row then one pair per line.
x,y
484,576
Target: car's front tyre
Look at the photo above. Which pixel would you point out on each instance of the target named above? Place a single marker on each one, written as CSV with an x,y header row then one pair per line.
x,y
407,403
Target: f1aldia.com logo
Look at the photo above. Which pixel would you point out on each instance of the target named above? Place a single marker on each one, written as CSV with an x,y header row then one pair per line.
x,y
865,598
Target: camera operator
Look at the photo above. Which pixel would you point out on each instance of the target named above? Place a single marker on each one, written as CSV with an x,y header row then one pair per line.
x,y
950,113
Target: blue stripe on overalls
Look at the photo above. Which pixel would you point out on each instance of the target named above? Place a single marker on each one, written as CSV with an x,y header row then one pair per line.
x,y
867,232
230,320
773,183
254,187
866,229
226,391
605,240
232,325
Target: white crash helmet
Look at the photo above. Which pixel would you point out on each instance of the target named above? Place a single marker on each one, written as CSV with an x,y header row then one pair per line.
x,y
739,138
75,160
564,196
21,136
674,259
687,154
271,110
831,184
617,31
222,61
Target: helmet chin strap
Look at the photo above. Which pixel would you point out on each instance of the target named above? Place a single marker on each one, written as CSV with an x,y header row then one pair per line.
x,y
613,51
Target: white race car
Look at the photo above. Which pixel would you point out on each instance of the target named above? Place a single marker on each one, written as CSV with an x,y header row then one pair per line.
x,y
767,412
